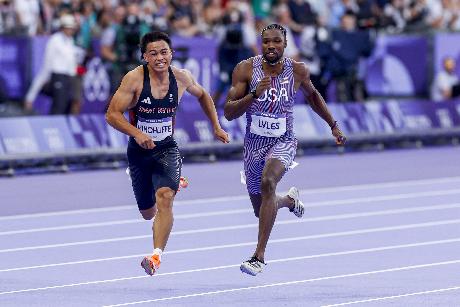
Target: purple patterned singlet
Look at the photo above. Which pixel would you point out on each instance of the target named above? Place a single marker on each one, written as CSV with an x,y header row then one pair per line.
x,y
269,130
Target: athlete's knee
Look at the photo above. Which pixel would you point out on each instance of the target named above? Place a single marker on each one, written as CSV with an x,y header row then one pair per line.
x,y
164,198
268,184
148,214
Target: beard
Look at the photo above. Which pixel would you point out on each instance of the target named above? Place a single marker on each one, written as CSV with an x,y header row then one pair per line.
x,y
273,60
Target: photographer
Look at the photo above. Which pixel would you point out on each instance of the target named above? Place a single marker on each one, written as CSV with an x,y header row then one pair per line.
x,y
231,50
127,38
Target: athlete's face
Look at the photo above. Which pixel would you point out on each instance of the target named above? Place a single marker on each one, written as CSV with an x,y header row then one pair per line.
x,y
273,45
158,55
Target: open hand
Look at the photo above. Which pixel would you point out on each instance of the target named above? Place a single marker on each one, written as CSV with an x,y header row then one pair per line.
x,y
221,135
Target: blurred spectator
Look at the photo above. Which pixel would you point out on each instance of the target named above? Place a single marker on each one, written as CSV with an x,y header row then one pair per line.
x,y
231,50
88,22
347,46
443,14
184,7
107,46
322,9
338,9
367,14
51,11
59,67
446,84
308,47
181,24
262,9
197,9
302,14
283,17
28,12
7,17
212,14
394,16
250,35
160,15
416,14
110,23
128,36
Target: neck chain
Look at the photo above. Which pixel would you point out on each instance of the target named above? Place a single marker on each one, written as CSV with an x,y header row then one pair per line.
x,y
272,64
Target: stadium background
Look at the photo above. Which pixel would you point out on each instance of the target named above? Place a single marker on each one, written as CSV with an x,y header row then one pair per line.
x,y
395,64
381,226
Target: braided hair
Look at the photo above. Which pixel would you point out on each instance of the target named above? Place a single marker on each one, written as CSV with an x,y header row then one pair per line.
x,y
275,26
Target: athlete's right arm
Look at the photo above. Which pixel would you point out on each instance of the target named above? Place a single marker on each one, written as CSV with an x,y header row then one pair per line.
x,y
122,100
238,98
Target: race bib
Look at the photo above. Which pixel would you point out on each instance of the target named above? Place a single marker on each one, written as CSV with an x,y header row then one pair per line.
x,y
267,124
157,129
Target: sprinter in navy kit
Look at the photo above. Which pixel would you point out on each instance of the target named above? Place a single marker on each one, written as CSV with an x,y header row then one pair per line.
x,y
151,93
151,169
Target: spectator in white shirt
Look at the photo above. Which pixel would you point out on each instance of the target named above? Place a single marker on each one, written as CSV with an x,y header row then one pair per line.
x,y
446,84
59,68
28,12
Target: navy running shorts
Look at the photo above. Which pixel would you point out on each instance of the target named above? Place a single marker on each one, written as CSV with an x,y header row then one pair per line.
x,y
151,169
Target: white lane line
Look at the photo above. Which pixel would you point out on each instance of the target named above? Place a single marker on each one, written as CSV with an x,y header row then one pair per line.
x,y
271,241
341,253
238,211
397,269
370,199
384,185
245,226
395,296
122,222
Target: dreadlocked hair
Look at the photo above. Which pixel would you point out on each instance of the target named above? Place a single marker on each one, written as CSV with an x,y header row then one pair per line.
x,y
275,26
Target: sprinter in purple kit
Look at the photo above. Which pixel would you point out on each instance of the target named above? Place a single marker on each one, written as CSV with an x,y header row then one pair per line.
x,y
264,87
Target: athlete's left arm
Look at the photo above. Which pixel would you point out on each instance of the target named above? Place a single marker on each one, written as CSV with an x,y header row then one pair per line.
x,y
316,101
207,104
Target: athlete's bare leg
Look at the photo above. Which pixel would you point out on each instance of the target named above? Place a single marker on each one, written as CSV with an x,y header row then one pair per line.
x,y
281,202
149,213
164,217
271,175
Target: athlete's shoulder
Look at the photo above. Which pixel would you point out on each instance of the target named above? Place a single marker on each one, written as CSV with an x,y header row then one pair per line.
x,y
133,80
243,68
184,76
246,63
136,74
300,68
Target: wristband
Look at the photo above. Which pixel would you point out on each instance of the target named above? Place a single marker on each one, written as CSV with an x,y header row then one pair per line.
x,y
333,125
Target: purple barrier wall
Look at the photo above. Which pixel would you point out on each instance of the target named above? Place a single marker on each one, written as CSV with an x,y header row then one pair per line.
x,y
14,63
200,54
398,66
58,134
